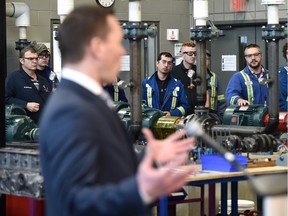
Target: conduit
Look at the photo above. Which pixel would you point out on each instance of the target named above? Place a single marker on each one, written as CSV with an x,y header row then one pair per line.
x,y
21,12
64,7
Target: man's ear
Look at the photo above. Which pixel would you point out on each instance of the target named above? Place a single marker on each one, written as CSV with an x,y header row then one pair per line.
x,y
157,62
96,46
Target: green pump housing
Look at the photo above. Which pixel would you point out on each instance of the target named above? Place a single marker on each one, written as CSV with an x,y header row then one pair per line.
x,y
252,115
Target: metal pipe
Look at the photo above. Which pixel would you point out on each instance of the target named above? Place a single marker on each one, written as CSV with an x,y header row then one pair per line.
x,y
201,34
242,130
146,65
201,72
272,34
135,73
273,90
135,91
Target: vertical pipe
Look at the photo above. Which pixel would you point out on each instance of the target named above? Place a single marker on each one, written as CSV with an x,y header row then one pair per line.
x,y
64,7
134,11
273,101
201,72
22,32
3,69
135,73
146,58
273,17
234,198
200,11
211,200
272,37
224,197
135,91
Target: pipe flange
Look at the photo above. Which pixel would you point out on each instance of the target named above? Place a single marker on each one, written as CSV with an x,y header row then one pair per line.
x,y
200,33
137,30
273,32
22,43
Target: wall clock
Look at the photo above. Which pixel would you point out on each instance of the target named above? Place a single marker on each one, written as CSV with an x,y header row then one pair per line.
x,y
105,3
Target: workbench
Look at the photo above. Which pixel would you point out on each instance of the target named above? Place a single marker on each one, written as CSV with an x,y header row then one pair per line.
x,y
212,178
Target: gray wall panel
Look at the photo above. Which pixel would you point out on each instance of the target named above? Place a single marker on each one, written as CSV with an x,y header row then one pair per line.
x,y
218,6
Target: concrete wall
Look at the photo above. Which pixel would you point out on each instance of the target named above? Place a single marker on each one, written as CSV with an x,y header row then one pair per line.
x,y
170,13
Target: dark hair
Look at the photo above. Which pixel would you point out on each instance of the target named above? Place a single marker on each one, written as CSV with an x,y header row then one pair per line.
x,y
252,46
284,50
26,49
78,28
166,54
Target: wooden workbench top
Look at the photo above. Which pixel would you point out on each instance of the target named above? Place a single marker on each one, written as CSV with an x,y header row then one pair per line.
x,y
207,175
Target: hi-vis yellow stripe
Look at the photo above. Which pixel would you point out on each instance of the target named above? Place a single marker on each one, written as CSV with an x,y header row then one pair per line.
x,y
248,83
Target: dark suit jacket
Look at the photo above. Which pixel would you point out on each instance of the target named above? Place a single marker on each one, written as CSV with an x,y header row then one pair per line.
x,y
87,158
19,90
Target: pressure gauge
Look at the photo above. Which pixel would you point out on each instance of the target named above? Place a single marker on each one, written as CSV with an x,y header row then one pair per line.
x,y
105,3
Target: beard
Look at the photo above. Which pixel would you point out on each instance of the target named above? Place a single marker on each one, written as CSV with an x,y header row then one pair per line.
x,y
254,64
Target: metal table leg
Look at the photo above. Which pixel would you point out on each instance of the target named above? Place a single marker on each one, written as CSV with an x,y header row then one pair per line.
x,y
234,198
224,199
163,206
211,199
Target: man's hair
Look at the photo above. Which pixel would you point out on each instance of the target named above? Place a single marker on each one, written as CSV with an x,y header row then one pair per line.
x,y
189,44
78,28
284,50
252,46
26,49
166,54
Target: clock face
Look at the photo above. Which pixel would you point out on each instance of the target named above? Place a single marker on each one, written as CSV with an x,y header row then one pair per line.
x,y
105,3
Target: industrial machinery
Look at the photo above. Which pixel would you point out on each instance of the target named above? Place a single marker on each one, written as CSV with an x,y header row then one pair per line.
x,y
20,172
19,127
19,160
